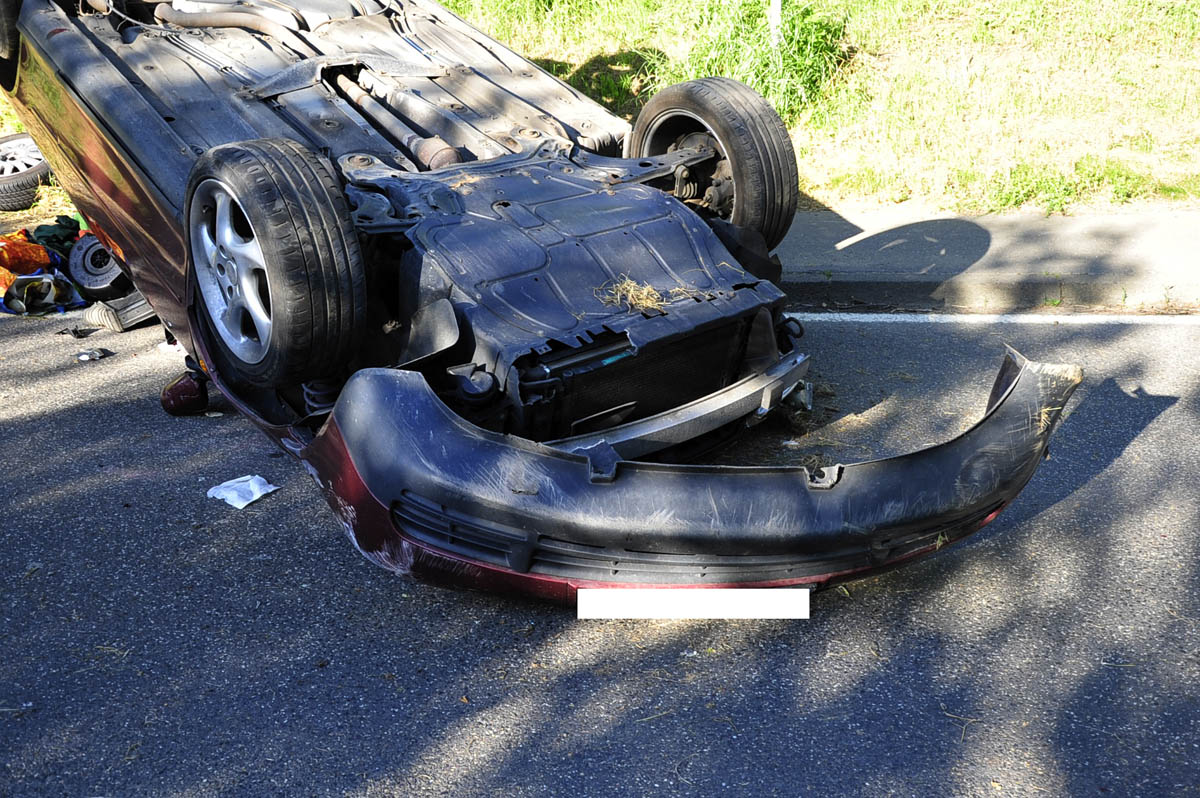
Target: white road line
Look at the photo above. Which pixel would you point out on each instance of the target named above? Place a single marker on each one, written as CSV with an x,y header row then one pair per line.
x,y
999,318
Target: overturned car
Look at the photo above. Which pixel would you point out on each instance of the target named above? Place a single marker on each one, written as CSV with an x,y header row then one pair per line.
x,y
488,315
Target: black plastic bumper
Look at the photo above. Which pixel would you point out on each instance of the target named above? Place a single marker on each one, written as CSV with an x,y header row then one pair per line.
x,y
510,505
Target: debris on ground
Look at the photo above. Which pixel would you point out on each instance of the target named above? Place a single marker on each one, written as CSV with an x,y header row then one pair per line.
x,y
59,237
120,314
31,282
21,256
93,354
242,491
78,332
38,276
40,294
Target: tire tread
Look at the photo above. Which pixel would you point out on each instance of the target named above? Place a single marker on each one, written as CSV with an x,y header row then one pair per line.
x,y
766,175
310,237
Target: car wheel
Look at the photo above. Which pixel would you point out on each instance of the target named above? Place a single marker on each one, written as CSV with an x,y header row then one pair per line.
x,y
95,271
22,170
754,181
275,261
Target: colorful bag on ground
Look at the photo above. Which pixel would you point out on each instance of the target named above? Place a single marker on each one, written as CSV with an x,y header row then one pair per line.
x,y
34,294
30,281
19,255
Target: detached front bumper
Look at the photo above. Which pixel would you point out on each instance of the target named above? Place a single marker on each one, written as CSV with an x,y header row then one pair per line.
x,y
421,490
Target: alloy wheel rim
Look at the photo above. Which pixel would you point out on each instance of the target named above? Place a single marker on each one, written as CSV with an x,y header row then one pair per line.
x,y
19,155
231,271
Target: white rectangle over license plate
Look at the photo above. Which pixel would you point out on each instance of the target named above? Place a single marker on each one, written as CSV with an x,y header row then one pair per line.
x,y
698,603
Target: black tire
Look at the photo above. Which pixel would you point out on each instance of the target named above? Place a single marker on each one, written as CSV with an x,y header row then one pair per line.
x,y
22,171
9,38
285,200
95,271
755,153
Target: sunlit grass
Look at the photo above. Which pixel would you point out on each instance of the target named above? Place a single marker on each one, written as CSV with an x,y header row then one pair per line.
x,y
619,52
8,119
51,201
1091,178
958,103
990,105
735,41
975,105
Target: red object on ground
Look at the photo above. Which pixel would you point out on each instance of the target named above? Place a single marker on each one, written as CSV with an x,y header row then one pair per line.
x,y
185,395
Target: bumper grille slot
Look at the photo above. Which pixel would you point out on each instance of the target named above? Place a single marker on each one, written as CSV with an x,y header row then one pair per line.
x,y
526,552
452,532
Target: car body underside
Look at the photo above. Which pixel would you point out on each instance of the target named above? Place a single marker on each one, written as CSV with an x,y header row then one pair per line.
x,y
550,318
499,274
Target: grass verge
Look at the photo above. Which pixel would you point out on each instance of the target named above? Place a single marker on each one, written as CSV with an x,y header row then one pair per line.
x,y
975,105
995,104
620,51
51,201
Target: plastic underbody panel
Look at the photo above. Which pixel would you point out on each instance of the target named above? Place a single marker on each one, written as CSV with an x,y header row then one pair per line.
x,y
527,248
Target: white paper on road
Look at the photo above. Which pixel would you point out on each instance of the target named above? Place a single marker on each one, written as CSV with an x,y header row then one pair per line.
x,y
243,490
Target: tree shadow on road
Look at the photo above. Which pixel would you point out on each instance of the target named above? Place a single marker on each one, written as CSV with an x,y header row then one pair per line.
x,y
167,643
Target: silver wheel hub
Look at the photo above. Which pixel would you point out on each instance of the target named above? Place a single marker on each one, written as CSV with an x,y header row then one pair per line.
x,y
230,271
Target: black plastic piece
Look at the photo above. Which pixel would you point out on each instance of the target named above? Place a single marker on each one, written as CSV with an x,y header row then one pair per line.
x,y
483,495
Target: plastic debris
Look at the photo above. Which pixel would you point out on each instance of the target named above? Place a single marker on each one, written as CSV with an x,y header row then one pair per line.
x,y
242,491
120,314
59,237
78,332
93,354
39,294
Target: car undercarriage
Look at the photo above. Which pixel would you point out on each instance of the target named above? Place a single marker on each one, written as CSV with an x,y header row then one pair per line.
x,y
499,275
484,311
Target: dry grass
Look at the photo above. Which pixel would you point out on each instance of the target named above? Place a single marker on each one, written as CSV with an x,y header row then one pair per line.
x,y
52,202
688,292
634,296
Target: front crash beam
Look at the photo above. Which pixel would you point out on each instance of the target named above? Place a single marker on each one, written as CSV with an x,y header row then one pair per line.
x,y
420,489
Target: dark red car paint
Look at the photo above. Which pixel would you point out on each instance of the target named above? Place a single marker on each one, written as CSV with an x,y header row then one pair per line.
x,y
122,206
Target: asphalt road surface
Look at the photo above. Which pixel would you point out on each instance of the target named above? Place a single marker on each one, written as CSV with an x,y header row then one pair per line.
x,y
155,641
